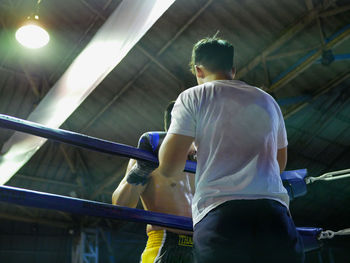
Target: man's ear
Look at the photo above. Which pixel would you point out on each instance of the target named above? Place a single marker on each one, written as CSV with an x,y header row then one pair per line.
x,y
199,72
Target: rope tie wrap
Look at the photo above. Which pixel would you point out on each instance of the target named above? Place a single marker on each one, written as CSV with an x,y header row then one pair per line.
x,y
336,175
329,234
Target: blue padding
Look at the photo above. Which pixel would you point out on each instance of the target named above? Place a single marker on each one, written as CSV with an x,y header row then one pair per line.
x,y
81,140
310,237
294,182
30,198
154,140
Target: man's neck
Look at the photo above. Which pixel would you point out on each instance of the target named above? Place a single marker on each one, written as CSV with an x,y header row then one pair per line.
x,y
218,76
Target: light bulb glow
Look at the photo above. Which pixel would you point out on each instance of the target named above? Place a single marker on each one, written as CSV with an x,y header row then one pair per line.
x,y
32,36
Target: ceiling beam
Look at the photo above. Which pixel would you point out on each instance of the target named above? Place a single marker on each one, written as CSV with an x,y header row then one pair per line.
x,y
329,86
335,11
310,6
161,66
302,131
82,162
94,10
68,160
32,83
292,53
309,60
146,53
78,43
109,180
147,65
291,32
73,167
12,71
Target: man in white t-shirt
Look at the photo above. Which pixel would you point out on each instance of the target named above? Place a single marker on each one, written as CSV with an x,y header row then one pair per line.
x,y
240,207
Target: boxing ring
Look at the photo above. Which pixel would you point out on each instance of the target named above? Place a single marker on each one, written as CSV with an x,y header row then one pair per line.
x,y
295,182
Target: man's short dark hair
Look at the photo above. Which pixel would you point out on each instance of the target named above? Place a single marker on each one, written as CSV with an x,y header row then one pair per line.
x,y
167,115
215,54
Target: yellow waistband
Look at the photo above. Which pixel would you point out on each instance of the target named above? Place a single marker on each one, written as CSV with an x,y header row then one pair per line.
x,y
155,238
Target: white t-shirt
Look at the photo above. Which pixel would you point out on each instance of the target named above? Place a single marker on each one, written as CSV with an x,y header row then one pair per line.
x,y
237,129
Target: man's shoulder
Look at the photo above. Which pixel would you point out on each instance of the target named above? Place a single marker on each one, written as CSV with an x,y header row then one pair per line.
x,y
256,90
193,89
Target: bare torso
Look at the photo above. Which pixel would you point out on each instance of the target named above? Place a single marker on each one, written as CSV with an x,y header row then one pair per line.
x,y
170,196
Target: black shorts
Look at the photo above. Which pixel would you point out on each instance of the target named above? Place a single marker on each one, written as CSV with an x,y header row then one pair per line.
x,y
167,247
248,231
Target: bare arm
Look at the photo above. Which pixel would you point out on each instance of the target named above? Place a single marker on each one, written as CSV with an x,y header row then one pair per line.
x,y
127,194
173,154
282,158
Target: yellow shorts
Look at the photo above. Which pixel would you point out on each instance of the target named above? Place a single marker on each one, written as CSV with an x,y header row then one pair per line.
x,y
167,247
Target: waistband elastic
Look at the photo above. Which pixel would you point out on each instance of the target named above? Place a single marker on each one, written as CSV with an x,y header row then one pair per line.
x,y
157,238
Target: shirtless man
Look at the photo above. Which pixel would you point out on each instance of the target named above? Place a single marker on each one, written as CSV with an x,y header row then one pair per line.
x,y
159,194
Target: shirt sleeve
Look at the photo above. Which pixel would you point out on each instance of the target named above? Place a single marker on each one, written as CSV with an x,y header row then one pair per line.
x,y
183,116
282,141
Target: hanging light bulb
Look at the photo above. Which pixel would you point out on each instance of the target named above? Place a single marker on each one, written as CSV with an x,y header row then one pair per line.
x,y
31,34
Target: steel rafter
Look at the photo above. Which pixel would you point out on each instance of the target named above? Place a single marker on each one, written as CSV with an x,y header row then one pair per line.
x,y
309,60
147,65
109,180
77,46
145,52
330,85
292,31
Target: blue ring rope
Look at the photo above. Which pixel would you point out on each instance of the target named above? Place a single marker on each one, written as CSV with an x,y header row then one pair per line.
x,y
37,199
92,208
81,140
294,178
